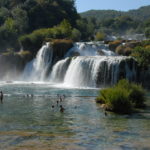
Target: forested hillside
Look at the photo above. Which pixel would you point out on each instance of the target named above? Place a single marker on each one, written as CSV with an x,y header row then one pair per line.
x,y
142,13
18,17
28,23
111,22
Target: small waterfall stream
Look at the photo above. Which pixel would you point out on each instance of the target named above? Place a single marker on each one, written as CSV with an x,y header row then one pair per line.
x,y
36,69
59,70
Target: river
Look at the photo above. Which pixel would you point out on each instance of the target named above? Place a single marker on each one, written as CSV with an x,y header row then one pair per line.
x,y
28,121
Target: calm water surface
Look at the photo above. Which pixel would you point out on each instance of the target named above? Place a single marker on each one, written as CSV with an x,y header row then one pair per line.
x,y
30,123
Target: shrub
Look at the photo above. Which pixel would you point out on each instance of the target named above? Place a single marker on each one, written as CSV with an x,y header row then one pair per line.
x,y
114,44
137,96
100,36
76,35
118,101
145,42
34,40
24,53
123,97
142,55
127,48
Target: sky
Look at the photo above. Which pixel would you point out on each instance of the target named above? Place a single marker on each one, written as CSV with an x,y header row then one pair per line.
x,y
123,5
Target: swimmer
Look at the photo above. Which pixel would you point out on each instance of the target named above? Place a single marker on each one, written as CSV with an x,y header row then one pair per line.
x,y
105,113
62,109
1,96
58,95
64,96
60,99
57,103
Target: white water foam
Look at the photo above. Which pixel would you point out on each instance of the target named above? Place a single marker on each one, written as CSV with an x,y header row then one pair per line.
x,y
36,69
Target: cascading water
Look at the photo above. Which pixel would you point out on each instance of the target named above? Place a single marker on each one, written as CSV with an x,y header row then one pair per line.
x,y
36,70
87,64
90,49
97,71
59,70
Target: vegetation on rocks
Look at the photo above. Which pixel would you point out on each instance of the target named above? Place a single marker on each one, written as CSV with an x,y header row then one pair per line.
x,y
114,44
60,47
142,55
123,97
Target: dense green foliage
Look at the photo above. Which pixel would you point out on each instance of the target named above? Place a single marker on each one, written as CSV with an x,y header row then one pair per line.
x,y
29,23
100,36
141,13
123,97
119,23
19,17
33,41
142,55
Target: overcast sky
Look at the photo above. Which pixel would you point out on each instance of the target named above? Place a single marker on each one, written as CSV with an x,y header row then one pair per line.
x,y
84,5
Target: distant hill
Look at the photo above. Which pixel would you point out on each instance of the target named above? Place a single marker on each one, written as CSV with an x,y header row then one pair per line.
x,y
142,13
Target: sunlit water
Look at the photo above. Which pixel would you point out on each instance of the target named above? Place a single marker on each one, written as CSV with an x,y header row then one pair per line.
x,y
30,123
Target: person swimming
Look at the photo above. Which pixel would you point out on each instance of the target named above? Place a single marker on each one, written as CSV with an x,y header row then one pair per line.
x,y
64,96
60,99
1,96
62,109
105,113
57,103
58,95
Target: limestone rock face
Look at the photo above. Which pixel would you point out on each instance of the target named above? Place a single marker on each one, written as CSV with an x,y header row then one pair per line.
x,y
110,73
144,78
11,65
60,48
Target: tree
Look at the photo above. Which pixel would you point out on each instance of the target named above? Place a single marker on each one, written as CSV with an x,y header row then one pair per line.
x,y
4,14
21,19
66,28
76,35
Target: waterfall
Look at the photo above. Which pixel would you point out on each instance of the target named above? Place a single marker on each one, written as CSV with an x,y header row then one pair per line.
x,y
59,70
36,70
90,49
87,64
97,71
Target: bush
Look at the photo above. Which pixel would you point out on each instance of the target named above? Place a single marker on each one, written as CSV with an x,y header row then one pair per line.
x,y
75,35
123,97
142,55
33,41
123,50
145,42
24,53
137,95
136,92
100,36
114,44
